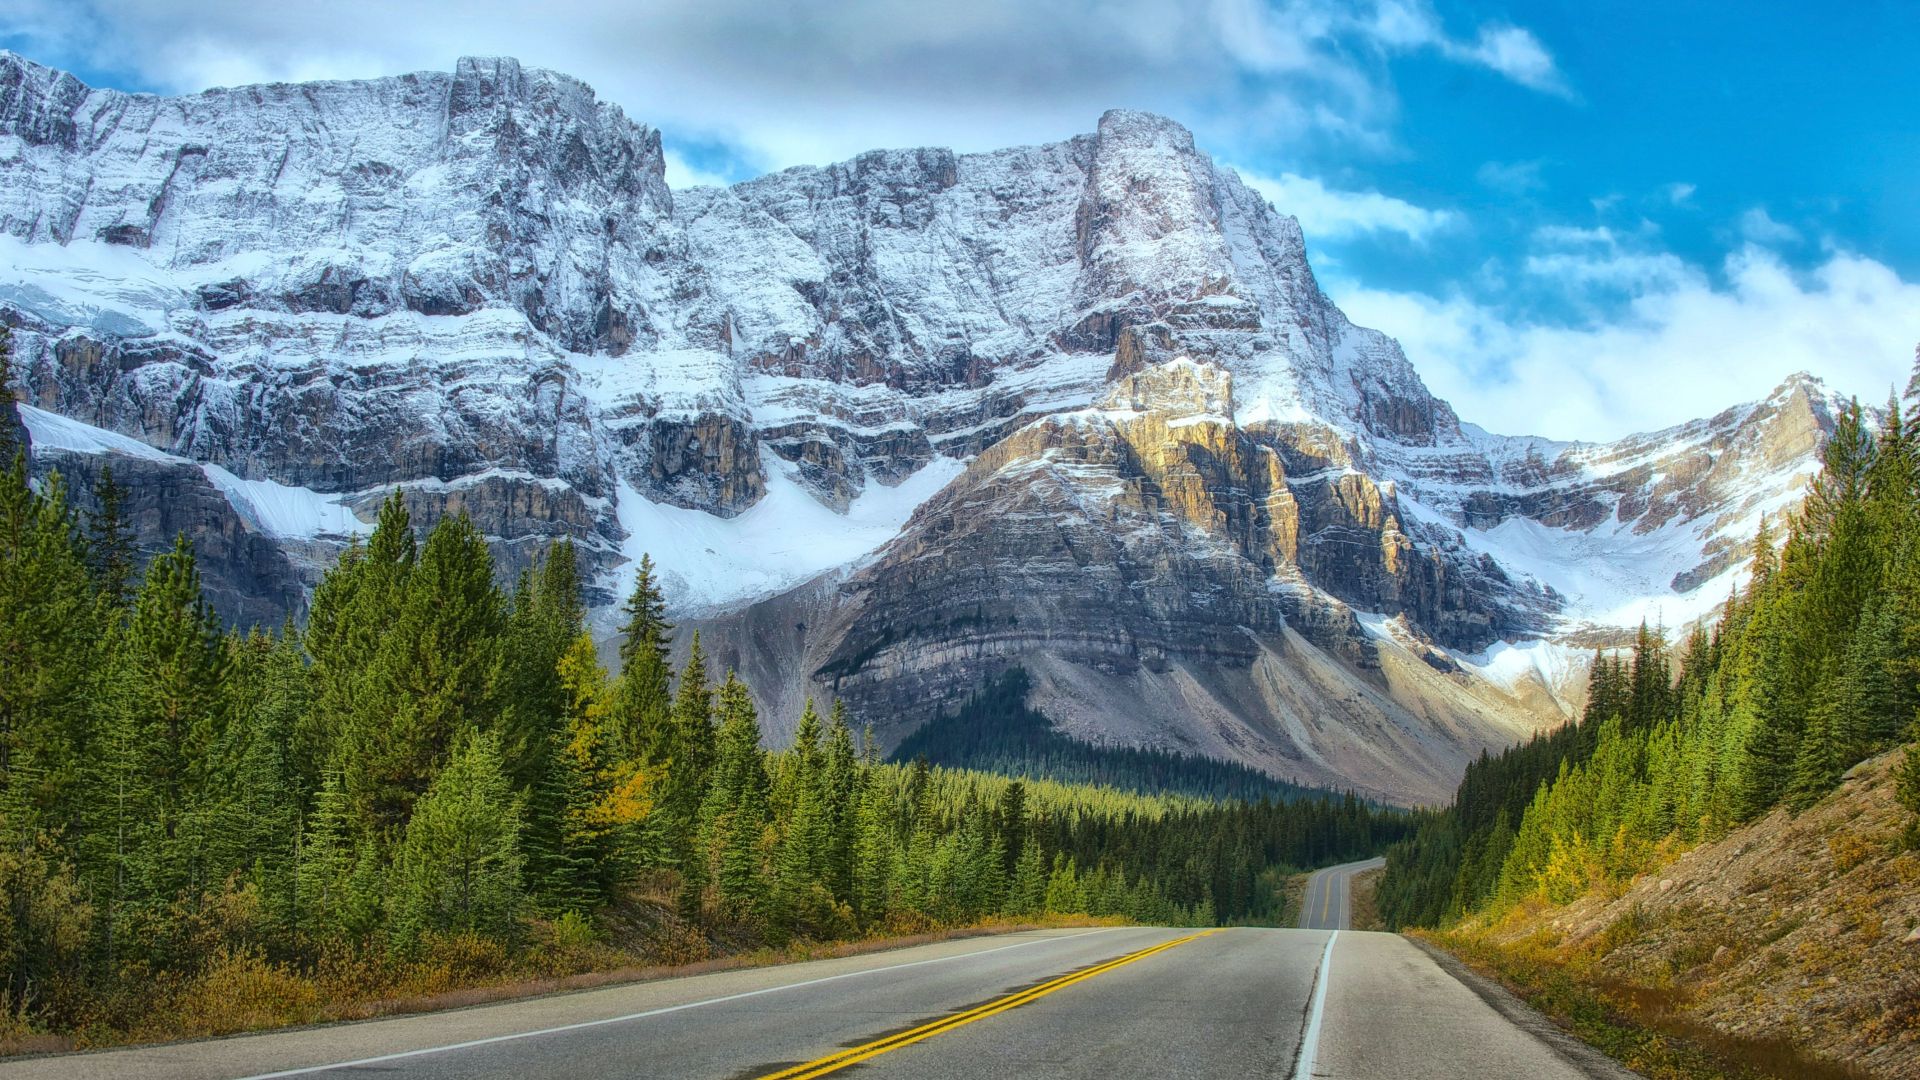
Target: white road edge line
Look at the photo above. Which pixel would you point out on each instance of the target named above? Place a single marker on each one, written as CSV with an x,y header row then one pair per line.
x,y
306,1070
1310,1038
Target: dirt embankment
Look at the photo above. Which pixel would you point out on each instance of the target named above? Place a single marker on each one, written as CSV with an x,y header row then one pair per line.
x,y
1364,909
1796,933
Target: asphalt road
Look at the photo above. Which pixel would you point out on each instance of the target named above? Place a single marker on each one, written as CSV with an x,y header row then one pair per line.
x,y
1107,1003
1329,899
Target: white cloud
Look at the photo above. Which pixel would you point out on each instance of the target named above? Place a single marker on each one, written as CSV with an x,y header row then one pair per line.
x,y
1683,347
1512,177
1574,236
1329,214
1759,226
680,174
1679,193
1518,55
1508,50
791,84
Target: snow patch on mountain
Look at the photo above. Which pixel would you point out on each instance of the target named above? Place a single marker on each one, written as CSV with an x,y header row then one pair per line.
x,y
710,564
286,512
51,431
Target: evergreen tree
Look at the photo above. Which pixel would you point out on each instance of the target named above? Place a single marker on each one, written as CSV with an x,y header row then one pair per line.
x,y
433,676
734,815
640,718
254,813
352,612
1027,894
687,754
458,867
874,853
153,776
110,545
841,789
48,639
336,889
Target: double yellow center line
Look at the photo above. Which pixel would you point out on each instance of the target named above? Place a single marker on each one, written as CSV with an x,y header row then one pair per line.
x,y
853,1056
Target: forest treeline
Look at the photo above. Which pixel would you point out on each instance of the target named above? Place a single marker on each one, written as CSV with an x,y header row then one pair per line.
x,y
1811,668
994,730
435,767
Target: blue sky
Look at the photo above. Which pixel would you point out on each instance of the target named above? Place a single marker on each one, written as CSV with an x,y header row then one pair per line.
x,y
1580,219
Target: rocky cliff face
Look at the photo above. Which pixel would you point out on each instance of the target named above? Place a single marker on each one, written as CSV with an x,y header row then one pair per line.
x,y
1080,406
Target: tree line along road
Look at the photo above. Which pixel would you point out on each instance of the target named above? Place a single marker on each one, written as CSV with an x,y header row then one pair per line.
x,y
1319,1001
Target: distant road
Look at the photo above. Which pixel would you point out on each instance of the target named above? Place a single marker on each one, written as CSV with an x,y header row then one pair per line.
x,y
1096,1004
1328,904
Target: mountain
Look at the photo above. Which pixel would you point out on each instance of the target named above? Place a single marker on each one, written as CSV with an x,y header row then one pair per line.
x,y
890,426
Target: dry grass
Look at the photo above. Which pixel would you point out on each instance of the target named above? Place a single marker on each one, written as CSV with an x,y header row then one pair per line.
x,y
1365,905
242,991
1649,1029
1781,950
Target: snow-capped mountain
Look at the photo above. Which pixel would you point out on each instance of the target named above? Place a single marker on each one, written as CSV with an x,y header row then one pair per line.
x,y
889,425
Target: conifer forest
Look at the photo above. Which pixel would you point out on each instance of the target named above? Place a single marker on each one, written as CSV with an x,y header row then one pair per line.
x,y
436,773
1809,669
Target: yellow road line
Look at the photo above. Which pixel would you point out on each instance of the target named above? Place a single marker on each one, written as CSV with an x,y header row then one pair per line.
x,y
1326,895
854,1055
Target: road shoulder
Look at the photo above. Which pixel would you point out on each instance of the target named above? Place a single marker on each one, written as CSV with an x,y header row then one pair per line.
x,y
256,1053
1580,1055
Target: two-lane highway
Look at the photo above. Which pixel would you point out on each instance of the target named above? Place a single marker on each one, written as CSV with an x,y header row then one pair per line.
x,y
1328,904
1102,1003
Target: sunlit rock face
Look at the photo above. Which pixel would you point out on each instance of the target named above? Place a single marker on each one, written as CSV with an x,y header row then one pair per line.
x,y
889,426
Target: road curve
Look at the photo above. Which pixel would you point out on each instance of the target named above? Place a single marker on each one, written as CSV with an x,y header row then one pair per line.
x,y
1328,904
1116,1002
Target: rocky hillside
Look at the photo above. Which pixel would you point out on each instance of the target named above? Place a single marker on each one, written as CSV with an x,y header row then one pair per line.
x,y
889,425
1803,930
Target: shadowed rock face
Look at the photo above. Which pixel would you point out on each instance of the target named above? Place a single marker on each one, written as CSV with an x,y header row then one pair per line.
x,y
1187,470
248,577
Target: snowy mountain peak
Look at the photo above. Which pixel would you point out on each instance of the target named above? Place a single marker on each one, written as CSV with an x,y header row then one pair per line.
x,y
475,286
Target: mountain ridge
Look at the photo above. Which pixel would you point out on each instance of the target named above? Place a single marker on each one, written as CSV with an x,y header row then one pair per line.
x,y
476,286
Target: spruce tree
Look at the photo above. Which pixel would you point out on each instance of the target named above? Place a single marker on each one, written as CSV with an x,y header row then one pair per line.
x,y
841,788
873,852
734,815
639,719
458,867
687,754
351,616
545,618
336,889
49,637
153,778
254,815
432,672
110,545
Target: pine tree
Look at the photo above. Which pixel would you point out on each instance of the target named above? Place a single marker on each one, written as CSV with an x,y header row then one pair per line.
x,y
332,899
152,790
802,900
563,851
48,641
110,546
643,701
841,786
1027,894
734,816
1764,559
1011,821
253,817
873,853
350,618
432,674
458,867
1650,680
687,754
